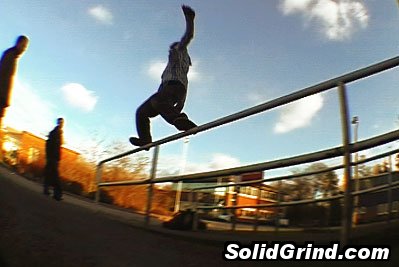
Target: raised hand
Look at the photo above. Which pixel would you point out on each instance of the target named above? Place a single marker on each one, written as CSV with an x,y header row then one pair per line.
x,y
188,12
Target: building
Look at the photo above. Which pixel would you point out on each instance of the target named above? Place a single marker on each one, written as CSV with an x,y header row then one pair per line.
x,y
252,195
379,205
229,196
25,152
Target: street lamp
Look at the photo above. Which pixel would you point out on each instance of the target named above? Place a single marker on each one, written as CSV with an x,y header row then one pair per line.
x,y
355,122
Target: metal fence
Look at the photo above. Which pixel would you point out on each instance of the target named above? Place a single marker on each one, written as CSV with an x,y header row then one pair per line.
x,y
344,151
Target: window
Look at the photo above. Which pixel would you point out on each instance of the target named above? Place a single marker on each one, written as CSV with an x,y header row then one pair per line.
x,y
395,206
247,190
362,210
254,191
382,209
33,155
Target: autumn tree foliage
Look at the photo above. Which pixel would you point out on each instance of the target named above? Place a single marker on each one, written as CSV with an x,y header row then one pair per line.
x,y
79,177
129,168
322,184
319,185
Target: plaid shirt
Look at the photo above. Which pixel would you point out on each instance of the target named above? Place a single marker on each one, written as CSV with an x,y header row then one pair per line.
x,y
178,66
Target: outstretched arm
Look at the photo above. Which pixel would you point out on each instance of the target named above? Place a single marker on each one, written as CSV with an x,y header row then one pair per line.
x,y
189,14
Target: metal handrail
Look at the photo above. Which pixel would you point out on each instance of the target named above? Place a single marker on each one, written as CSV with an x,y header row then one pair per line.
x,y
296,160
298,175
318,88
345,150
306,201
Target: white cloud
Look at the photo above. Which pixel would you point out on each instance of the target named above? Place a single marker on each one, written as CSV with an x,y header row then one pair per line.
x,y
101,14
171,164
156,68
299,113
256,98
28,111
338,19
222,161
78,96
218,161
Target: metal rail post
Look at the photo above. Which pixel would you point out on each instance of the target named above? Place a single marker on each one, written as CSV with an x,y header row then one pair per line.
x,y
390,189
195,210
345,123
191,198
258,201
98,181
277,209
355,217
151,185
235,203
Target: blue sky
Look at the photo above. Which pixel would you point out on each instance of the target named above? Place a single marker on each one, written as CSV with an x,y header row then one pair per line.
x,y
94,62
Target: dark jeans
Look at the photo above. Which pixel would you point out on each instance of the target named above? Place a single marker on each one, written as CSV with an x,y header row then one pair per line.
x,y
51,178
167,102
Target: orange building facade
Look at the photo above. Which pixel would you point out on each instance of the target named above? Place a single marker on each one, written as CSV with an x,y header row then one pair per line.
x,y
252,195
26,152
244,195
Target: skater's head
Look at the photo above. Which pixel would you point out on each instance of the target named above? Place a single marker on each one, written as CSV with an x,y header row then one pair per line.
x,y
21,44
60,122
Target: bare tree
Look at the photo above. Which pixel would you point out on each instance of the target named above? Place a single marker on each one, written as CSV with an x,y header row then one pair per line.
x,y
308,187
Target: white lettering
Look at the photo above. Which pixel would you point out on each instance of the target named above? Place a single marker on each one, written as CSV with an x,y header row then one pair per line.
x,y
245,253
262,252
331,253
255,252
308,251
231,248
318,254
364,253
349,254
272,253
287,251
380,254
299,253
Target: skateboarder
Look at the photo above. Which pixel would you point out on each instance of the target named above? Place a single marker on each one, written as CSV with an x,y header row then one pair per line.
x,y
169,100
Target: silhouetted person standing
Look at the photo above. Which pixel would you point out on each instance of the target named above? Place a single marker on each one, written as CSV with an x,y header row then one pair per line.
x,y
53,157
8,68
171,96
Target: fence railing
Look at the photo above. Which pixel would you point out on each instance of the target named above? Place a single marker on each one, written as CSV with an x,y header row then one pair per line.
x,y
387,187
345,150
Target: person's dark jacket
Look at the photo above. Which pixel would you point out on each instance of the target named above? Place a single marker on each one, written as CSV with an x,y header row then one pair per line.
x,y
53,145
8,65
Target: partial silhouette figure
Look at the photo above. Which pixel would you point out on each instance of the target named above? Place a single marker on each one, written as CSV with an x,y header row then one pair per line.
x,y
53,157
8,68
169,100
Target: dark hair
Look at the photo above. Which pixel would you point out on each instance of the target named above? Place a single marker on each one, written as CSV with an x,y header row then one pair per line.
x,y
59,120
22,38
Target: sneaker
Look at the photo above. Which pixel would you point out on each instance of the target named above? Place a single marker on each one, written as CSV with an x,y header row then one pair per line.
x,y
138,142
184,124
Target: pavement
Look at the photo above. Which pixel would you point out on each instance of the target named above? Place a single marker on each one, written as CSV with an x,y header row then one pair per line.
x,y
39,231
